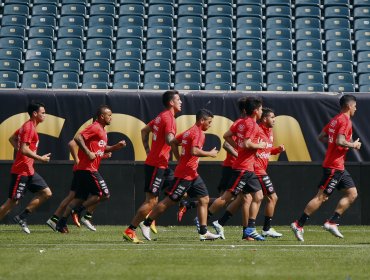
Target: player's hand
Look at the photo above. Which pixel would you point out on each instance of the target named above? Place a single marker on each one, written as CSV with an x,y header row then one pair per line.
x,y
213,153
357,144
282,148
121,144
262,145
107,155
45,158
91,156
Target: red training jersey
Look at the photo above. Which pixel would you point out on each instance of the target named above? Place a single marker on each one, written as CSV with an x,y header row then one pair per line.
x,y
229,160
95,138
188,164
23,165
245,129
335,154
159,153
263,155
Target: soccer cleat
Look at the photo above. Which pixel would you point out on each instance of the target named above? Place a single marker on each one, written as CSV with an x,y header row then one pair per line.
x,y
145,230
251,234
62,229
219,229
181,212
153,227
52,224
196,222
88,224
130,235
209,236
297,230
333,229
22,223
75,218
271,233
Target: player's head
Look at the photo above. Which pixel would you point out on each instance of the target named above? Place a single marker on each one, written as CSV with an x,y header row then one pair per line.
x,y
253,107
348,103
104,115
241,105
268,117
204,119
171,99
36,110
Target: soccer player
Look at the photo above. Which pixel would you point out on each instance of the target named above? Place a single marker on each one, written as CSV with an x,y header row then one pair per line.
x,y
92,143
87,218
23,176
157,173
260,166
243,180
338,136
187,179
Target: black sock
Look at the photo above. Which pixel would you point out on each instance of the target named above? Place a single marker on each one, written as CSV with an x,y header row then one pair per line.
x,y
244,228
147,222
225,218
24,214
267,224
132,227
303,219
335,218
192,204
54,218
88,216
79,209
202,229
251,223
62,221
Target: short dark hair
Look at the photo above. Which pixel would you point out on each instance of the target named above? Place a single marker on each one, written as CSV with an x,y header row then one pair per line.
x,y
101,110
266,111
203,114
168,96
251,104
241,104
34,106
345,99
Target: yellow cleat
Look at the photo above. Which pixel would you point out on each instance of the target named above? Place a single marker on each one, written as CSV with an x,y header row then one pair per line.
x,y
130,235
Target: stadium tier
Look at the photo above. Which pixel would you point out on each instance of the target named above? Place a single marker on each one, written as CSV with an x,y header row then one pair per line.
x,y
186,44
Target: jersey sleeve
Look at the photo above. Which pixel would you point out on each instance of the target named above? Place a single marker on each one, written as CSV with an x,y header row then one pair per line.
x,y
233,127
196,140
88,132
27,133
342,127
179,137
251,131
169,125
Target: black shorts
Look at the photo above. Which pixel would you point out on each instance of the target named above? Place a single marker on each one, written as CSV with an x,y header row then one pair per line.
x,y
243,180
157,178
225,177
74,183
194,188
19,184
335,179
89,182
266,184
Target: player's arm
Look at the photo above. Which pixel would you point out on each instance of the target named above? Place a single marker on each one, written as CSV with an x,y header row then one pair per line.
x,y
174,143
278,150
73,148
14,141
145,137
228,136
341,141
195,151
248,144
81,144
229,149
115,147
323,137
25,150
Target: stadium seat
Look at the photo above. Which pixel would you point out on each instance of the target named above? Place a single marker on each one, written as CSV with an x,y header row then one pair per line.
x,y
190,21
339,67
279,66
16,9
98,54
309,66
34,85
12,43
338,45
340,78
187,86
44,21
10,65
41,32
100,32
190,65
286,55
364,88
337,23
219,10
66,66
313,44
9,76
363,56
219,33
279,87
363,67
189,32
249,33
310,55
217,86
33,77
340,56
338,34
159,43
40,54
160,54
341,88
248,65
95,85
308,34
163,21
157,66
188,77
280,78
53,2
102,9
218,78
157,77
307,12
312,87
161,10
157,86
71,20
45,10
95,77
129,43
191,10
315,3
124,77
309,78
337,12
249,87
249,11
304,23
361,12
363,45
102,20
6,84
361,23
99,43
131,21
96,66
159,32
127,65
14,20
328,3
70,43
126,85
73,10
219,22
192,43
250,55
248,2
71,32
249,78
221,54
132,9
13,31
362,35
65,77
364,79
129,54
248,22
186,54
130,32
36,66
249,44
216,44
66,54
278,34
278,22
278,11
168,2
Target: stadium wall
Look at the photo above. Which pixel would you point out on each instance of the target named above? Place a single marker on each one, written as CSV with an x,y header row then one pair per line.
x,y
295,183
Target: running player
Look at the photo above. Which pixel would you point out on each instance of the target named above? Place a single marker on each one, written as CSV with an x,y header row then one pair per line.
x,y
157,173
243,180
23,176
92,142
338,135
187,179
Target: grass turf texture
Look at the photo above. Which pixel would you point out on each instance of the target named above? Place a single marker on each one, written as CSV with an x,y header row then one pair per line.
x,y
178,254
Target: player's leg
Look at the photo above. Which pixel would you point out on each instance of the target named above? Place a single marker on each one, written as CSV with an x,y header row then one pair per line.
x,y
251,232
15,193
53,220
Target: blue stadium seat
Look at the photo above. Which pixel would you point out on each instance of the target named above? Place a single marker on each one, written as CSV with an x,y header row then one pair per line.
x,y
127,65
280,87
155,21
95,77
9,76
157,77
41,54
220,10
313,44
249,44
222,54
217,86
129,54
190,65
70,43
362,35
249,33
80,2
34,76
308,34
249,10
168,2
66,66
36,65
249,78
339,67
45,10
102,20
328,3
6,84
100,32
96,66
304,23
248,22
363,45
73,9
67,54
364,88
361,12
161,10
131,21
309,55
338,34
278,34
363,67
188,77
14,20
337,23
160,54
186,54
102,9
312,87
220,2
189,32
157,66
16,9
280,78
339,56
340,78
190,21
65,77
98,54
10,65
191,10
187,86
279,66
126,85
159,43
337,12
249,87
338,45
71,20
71,32
132,9
363,79
278,11
12,43
342,88
363,56
95,85
216,44
53,2
307,12
43,21
219,33
280,55
191,43
41,32
278,22
248,2
99,43
126,77
299,3
130,32
308,78
157,86
250,55
309,66
218,66
111,2
219,22
129,43
13,31
40,43
159,32
34,85
248,65
361,23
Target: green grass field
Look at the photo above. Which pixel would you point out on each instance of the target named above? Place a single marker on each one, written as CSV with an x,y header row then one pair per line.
x,y
178,254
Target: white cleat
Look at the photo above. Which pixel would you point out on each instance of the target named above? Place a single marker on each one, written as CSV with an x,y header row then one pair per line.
x,y
52,224
298,231
271,233
88,224
209,236
219,229
333,229
22,223
145,230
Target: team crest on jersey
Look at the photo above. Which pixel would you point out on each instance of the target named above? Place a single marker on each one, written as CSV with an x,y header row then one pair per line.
x,y
333,123
102,143
241,127
186,134
157,120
